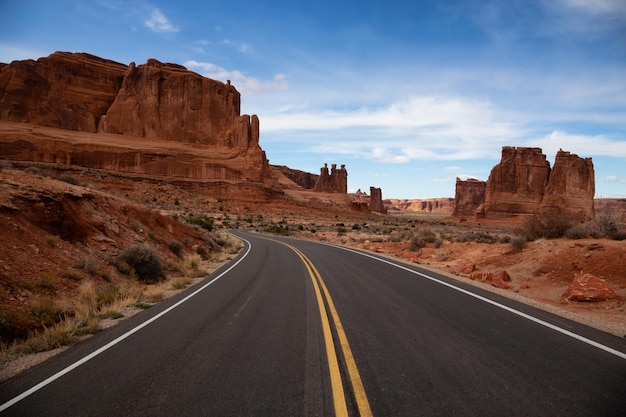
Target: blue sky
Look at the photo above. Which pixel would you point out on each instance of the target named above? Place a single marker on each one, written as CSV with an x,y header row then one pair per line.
x,y
408,95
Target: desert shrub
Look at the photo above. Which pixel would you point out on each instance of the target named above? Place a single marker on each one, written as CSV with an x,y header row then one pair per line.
x,y
180,283
517,243
88,265
607,224
203,252
478,237
69,179
176,247
546,225
229,243
142,262
46,311
438,243
193,261
277,229
356,226
73,275
579,231
34,171
417,243
341,230
202,221
5,165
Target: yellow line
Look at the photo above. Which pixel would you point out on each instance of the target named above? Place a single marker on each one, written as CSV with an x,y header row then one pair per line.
x,y
339,398
355,377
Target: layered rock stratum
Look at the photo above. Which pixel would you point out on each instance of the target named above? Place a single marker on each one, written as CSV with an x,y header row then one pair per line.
x,y
155,119
524,183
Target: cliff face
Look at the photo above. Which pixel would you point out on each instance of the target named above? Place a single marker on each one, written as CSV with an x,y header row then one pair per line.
x,y
304,179
64,90
523,183
153,119
469,197
571,186
517,183
165,101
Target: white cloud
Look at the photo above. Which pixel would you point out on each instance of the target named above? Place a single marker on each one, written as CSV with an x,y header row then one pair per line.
x,y
418,128
245,84
582,145
610,178
158,22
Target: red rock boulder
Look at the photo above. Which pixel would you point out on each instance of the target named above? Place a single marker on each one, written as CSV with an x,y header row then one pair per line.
x,y
589,288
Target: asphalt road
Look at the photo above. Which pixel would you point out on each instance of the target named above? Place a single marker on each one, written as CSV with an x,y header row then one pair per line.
x,y
300,328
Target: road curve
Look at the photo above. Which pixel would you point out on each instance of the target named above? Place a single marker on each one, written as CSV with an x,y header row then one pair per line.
x,y
251,341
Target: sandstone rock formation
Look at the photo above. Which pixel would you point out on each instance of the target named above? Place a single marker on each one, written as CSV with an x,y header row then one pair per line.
x,y
64,90
376,201
334,182
571,186
152,119
589,288
517,183
469,197
523,183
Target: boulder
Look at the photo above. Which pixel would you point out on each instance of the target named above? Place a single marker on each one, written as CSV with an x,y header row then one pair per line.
x,y
589,288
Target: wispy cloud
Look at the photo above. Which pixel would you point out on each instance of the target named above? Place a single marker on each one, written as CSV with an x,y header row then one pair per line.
x,y
583,145
245,84
419,128
158,22
611,7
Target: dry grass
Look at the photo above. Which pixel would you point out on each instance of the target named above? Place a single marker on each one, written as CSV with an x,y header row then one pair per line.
x,y
67,319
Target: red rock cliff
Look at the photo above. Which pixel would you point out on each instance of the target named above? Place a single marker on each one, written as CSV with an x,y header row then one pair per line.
x,y
469,197
517,183
523,183
129,115
571,186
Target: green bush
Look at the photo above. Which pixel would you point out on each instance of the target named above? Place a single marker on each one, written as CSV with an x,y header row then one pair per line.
x,y
202,221
141,261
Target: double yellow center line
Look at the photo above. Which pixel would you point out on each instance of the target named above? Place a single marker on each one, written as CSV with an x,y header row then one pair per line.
x,y
339,398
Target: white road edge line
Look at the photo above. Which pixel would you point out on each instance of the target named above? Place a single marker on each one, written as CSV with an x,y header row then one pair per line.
x,y
118,340
495,303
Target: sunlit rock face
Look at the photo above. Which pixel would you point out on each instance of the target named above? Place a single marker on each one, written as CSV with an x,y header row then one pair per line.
x,y
154,119
524,183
